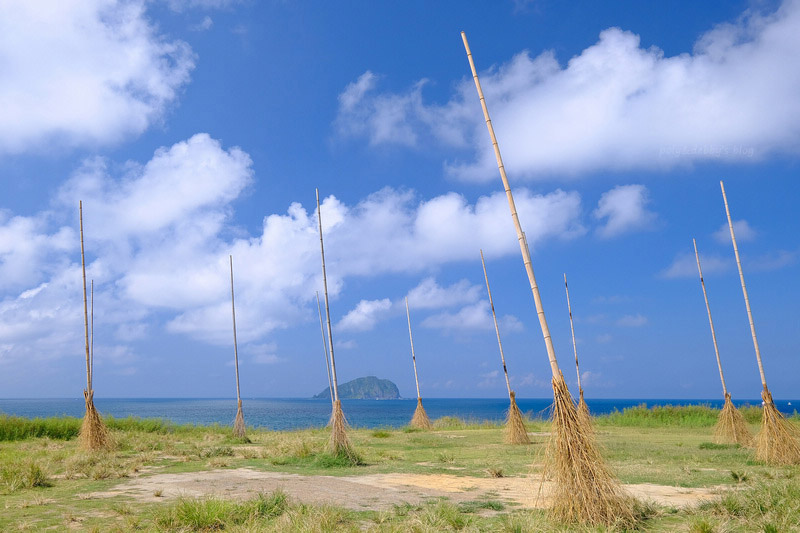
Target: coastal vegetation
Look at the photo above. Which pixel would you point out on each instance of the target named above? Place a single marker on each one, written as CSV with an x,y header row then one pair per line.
x,y
48,481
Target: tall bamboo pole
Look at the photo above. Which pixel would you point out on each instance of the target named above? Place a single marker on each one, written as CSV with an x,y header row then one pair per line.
x,y
325,347
710,320
327,305
91,348
526,256
744,290
496,329
572,330
235,343
413,355
85,310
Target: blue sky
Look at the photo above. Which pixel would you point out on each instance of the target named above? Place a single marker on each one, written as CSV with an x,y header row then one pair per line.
x,y
195,129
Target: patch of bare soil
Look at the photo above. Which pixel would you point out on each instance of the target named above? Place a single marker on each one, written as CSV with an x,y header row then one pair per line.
x,y
373,491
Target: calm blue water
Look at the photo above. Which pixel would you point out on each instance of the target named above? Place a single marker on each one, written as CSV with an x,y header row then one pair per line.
x,y
303,413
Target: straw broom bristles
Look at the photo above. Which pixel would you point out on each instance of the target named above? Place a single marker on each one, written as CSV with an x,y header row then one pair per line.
x,y
238,423
777,442
584,490
515,432
583,412
420,419
339,443
731,426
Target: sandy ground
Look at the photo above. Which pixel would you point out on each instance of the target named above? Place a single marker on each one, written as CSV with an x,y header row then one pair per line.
x,y
373,491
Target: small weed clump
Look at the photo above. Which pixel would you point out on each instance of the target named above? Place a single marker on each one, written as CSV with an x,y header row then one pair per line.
x,y
381,434
22,475
218,514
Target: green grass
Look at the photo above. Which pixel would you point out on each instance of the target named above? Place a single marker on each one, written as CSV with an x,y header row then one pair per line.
x,y
45,478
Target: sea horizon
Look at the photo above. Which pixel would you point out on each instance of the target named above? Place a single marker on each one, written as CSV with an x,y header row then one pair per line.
x,y
301,413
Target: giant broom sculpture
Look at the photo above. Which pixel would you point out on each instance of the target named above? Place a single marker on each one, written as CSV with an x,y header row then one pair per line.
x,y
583,409
731,426
777,442
420,419
339,444
94,434
584,488
238,422
516,432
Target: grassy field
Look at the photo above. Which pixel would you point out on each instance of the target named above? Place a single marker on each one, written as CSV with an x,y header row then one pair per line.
x,y
46,482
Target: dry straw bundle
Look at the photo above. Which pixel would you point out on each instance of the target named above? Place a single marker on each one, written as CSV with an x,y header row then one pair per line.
x,y
585,490
777,442
238,422
515,432
731,426
94,434
583,409
420,419
339,444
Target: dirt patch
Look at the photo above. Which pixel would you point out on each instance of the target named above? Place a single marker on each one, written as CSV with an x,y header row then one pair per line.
x,y
373,491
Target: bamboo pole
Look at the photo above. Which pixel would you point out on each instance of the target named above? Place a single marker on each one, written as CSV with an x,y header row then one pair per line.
x,y
91,347
744,290
85,310
526,256
496,328
413,356
327,305
572,330
710,320
235,343
325,347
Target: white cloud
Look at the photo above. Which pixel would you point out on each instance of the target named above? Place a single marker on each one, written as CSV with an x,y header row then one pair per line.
x,y
685,265
474,317
632,321
604,338
83,72
158,236
203,25
616,105
429,295
741,228
365,315
624,208
489,379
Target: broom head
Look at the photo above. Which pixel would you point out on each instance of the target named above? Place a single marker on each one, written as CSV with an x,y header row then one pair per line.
x,y
777,442
584,490
515,432
731,426
340,445
420,419
583,412
94,434
238,424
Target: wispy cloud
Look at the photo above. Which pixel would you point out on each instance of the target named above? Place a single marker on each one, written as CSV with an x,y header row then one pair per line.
x,y
741,228
632,321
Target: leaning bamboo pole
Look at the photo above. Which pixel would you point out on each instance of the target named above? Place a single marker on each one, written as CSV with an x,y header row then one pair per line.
x,y
515,432
420,419
777,442
583,409
91,344
731,425
93,434
339,443
325,348
238,422
584,488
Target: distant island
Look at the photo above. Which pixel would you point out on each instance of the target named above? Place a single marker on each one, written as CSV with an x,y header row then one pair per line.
x,y
368,388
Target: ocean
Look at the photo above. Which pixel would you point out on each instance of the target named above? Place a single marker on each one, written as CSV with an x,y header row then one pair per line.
x,y
298,413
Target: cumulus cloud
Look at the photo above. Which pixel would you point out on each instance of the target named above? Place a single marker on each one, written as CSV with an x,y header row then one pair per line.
x,y
365,315
616,105
744,232
84,72
158,235
624,210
